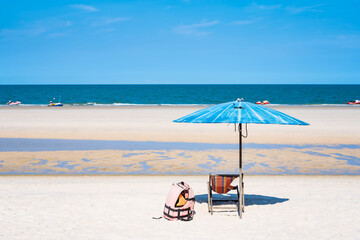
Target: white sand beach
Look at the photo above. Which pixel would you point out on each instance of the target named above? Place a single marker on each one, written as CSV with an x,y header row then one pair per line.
x,y
123,207
328,125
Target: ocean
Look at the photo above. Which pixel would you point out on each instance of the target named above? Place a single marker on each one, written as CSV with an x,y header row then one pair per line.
x,y
178,94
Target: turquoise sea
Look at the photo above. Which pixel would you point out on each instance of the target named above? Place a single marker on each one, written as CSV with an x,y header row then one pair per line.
x,y
178,94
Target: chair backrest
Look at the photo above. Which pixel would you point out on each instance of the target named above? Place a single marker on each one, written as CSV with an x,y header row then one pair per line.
x,y
222,183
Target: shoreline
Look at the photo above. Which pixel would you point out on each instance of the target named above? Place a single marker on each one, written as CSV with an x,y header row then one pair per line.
x,y
129,105
145,140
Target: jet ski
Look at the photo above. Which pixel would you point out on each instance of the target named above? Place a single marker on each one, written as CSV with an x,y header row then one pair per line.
x,y
58,104
13,103
354,102
55,105
51,104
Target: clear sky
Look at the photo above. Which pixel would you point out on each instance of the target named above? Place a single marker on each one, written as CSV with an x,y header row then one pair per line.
x,y
189,41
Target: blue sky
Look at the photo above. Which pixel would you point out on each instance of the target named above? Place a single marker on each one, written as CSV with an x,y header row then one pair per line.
x,y
192,41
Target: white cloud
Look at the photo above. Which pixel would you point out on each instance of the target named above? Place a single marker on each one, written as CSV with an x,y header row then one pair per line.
x,y
36,28
66,24
351,41
194,29
289,9
265,7
114,20
56,35
244,22
108,21
296,10
345,41
20,32
84,7
107,30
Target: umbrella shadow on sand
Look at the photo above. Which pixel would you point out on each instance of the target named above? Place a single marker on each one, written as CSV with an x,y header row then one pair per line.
x,y
250,199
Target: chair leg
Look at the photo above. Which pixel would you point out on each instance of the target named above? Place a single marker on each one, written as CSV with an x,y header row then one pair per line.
x,y
238,203
243,197
208,197
211,203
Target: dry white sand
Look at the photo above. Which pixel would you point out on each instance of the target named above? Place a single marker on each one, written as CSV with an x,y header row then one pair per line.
x,y
329,125
122,207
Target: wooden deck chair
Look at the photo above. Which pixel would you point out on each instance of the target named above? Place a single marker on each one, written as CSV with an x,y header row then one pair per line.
x,y
221,184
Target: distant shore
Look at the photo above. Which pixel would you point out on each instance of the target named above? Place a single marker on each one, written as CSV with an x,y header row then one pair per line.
x,y
120,105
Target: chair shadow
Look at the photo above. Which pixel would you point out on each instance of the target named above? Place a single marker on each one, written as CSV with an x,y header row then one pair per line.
x,y
250,199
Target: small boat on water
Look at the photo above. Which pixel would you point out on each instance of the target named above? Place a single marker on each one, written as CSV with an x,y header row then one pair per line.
x,y
13,103
58,104
354,102
51,104
263,102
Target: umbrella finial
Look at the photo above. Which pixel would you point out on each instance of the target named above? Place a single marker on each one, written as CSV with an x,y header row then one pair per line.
x,y
237,103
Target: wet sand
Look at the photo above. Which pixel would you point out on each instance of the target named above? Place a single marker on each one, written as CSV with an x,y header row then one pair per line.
x,y
153,144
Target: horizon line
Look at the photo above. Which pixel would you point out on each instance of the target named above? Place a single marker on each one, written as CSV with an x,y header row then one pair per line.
x,y
74,84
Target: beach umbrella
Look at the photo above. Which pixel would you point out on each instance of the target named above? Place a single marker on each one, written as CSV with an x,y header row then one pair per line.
x,y
239,112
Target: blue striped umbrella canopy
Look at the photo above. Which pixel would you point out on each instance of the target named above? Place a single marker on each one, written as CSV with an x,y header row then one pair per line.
x,y
240,112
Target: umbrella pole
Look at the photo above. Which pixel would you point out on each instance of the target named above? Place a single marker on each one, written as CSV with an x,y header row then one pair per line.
x,y
241,192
